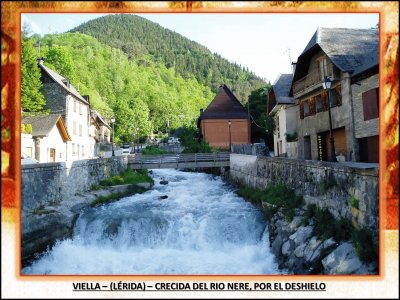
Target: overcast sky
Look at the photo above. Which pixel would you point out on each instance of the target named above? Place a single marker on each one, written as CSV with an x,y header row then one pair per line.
x,y
266,43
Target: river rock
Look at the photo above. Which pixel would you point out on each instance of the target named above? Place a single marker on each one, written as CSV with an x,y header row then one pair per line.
x,y
288,247
163,197
164,182
301,235
311,251
295,223
343,260
299,251
276,245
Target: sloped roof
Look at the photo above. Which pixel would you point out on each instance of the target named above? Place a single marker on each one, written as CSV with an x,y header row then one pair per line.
x,y
349,49
98,118
225,105
59,79
42,125
281,89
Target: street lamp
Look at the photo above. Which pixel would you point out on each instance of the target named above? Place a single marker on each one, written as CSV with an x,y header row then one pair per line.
x,y
112,145
326,84
230,139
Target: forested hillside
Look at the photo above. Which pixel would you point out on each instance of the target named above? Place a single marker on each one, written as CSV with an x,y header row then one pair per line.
x,y
143,40
144,95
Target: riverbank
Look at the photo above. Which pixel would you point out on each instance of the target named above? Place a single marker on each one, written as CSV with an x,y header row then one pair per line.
x,y
43,226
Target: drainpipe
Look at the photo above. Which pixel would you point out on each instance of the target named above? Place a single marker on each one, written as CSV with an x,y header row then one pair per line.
x,y
37,148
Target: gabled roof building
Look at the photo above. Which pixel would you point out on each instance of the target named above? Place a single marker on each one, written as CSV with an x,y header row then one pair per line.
x,y
225,121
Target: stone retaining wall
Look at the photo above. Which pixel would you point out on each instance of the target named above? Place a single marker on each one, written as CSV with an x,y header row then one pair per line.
x,y
329,185
50,183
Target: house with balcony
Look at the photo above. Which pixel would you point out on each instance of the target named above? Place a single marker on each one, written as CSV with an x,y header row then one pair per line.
x,y
285,112
62,98
339,54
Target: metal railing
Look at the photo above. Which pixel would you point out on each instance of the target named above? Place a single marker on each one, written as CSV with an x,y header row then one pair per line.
x,y
312,79
140,161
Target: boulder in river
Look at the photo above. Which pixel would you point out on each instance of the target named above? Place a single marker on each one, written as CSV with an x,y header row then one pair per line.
x,y
163,197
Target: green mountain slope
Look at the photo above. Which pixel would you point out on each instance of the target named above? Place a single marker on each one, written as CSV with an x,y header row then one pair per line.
x,y
145,97
140,38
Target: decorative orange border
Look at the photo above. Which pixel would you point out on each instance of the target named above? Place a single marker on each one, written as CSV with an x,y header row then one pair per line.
x,y
11,40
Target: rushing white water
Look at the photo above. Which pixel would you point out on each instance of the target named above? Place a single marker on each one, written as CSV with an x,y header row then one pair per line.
x,y
203,227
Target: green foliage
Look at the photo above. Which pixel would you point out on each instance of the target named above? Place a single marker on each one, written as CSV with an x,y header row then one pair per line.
x,y
107,199
127,177
95,187
326,184
354,202
32,99
278,197
26,128
153,150
197,147
145,42
364,244
325,225
291,137
188,135
60,59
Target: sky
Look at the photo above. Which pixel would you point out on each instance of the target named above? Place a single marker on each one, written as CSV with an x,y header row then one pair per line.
x,y
266,43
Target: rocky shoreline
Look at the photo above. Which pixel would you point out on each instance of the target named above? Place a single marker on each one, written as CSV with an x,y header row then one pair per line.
x,y
42,227
299,251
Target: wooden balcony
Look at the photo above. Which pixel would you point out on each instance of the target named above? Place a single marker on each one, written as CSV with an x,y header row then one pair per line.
x,y
312,81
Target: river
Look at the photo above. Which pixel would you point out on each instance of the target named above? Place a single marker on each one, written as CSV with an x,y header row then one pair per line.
x,y
203,227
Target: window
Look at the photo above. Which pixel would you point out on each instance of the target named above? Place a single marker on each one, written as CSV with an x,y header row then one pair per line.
x,y
28,151
322,67
83,151
319,106
80,130
80,108
306,106
277,126
335,96
73,148
370,101
74,105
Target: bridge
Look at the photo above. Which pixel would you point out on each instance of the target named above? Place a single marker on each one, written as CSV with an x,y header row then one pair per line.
x,y
179,161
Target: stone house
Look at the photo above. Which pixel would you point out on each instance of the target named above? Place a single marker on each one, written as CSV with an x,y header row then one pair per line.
x,y
48,140
225,122
285,112
62,98
100,132
337,53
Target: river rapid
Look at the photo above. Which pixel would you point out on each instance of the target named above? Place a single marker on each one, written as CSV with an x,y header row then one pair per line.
x,y
203,227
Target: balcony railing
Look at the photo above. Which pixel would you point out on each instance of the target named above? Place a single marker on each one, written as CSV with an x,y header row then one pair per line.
x,y
312,80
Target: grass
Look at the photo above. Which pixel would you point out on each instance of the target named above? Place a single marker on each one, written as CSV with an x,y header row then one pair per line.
x,y
126,177
325,225
115,196
354,202
41,211
279,197
366,248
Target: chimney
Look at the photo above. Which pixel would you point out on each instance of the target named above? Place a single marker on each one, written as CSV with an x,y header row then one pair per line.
x,y
293,67
201,111
40,61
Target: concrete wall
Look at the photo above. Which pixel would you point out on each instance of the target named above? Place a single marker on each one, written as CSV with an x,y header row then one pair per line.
x,y
49,183
311,178
369,127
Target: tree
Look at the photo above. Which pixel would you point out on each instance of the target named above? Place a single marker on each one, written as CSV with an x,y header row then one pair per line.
x,y
32,98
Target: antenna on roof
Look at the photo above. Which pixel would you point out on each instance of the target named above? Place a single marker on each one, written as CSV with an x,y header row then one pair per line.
x,y
290,57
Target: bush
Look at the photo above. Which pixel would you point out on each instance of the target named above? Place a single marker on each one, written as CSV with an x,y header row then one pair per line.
x,y
153,150
366,248
194,147
354,202
127,177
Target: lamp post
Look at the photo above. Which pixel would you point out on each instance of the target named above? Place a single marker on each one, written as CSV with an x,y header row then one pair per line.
x,y
326,84
230,139
112,144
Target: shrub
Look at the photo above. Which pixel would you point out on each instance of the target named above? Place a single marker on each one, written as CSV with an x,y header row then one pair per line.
x,y
366,248
127,177
354,202
194,147
153,150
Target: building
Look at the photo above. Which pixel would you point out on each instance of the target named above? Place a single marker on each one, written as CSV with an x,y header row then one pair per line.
x,y
100,132
341,54
225,121
62,98
48,140
285,111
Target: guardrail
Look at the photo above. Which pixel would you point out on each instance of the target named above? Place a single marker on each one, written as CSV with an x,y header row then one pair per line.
x,y
186,160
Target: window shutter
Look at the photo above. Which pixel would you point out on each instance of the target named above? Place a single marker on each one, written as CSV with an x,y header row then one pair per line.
x,y
301,110
370,104
338,94
312,106
324,98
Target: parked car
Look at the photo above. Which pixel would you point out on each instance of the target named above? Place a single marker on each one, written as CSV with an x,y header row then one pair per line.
x,y
126,148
